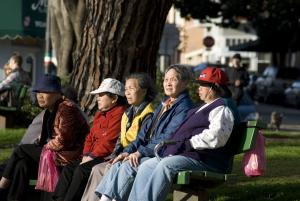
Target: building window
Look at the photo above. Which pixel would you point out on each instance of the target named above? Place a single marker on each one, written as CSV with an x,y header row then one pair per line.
x,y
227,42
233,42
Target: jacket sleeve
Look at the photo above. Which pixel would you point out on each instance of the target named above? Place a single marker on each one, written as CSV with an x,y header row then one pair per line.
x,y
106,145
172,125
119,148
141,136
66,123
217,134
88,143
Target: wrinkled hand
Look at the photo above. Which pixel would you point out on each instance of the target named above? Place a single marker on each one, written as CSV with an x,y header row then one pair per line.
x,y
120,157
86,159
133,159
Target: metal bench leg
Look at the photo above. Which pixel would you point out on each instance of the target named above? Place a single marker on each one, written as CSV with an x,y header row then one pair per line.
x,y
200,195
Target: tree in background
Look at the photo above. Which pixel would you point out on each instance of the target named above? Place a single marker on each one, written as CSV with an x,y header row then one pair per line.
x,y
95,39
105,38
276,22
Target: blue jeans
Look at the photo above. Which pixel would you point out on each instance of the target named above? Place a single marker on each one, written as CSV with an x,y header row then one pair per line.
x,y
154,178
117,182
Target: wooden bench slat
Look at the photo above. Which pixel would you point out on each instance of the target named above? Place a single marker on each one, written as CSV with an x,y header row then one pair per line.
x,y
184,177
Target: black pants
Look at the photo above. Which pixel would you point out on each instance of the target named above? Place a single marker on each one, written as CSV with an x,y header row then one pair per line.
x,y
237,94
73,180
22,165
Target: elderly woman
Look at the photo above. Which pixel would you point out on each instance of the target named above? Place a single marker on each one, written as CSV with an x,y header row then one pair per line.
x,y
140,92
202,141
63,131
99,143
116,184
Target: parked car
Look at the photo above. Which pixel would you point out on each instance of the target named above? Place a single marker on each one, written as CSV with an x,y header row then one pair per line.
x,y
272,90
269,90
292,94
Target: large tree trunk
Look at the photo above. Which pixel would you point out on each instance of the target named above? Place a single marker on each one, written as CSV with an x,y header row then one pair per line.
x,y
119,37
66,22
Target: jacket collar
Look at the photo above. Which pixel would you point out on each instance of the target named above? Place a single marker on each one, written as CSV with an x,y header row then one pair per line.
x,y
181,96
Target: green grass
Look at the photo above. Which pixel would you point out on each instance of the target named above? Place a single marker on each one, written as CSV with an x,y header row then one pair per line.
x,y
282,134
4,154
281,181
8,139
10,136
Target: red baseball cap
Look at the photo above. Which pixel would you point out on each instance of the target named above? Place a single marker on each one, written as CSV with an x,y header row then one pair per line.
x,y
213,75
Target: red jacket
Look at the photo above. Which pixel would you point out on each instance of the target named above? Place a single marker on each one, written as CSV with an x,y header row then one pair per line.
x,y
104,133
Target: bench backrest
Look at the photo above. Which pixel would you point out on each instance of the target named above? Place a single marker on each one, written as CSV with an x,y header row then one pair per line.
x,y
16,99
248,131
19,95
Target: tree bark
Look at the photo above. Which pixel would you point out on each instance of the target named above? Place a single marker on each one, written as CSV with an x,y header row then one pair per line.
x,y
119,37
66,22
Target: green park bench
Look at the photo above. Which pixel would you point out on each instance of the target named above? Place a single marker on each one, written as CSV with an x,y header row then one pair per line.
x,y
193,185
15,102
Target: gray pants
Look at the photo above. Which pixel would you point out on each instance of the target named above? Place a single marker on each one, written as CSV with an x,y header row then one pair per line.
x,y
95,177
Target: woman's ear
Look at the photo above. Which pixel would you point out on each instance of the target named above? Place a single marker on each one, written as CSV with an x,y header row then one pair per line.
x,y
115,99
144,91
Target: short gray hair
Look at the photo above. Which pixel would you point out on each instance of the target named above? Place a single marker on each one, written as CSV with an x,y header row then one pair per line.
x,y
183,71
145,82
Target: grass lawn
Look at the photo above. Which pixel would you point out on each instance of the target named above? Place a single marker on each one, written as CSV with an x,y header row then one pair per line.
x,y
280,183
8,139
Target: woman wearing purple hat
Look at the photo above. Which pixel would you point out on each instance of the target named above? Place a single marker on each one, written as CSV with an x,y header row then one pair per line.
x,y
63,132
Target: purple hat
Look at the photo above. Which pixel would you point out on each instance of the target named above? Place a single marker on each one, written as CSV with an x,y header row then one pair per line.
x,y
48,83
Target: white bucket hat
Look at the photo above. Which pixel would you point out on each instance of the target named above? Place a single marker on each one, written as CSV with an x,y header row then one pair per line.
x,y
110,85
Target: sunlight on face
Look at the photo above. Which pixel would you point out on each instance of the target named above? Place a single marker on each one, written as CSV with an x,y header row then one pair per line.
x,y
133,92
206,93
173,86
105,102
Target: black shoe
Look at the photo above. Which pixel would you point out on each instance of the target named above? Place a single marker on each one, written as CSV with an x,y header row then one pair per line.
x,y
3,193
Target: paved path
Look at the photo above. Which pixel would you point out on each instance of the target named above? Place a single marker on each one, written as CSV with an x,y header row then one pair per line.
x,y
291,116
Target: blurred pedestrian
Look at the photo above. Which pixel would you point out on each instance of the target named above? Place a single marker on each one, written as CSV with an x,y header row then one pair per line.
x,y
16,77
238,78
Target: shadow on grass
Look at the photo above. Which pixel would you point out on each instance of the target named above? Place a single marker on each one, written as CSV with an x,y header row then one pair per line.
x,y
274,192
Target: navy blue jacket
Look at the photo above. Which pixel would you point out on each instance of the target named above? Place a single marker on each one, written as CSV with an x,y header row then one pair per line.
x,y
165,127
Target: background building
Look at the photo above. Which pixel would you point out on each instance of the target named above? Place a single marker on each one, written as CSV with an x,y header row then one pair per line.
x,y
22,30
190,49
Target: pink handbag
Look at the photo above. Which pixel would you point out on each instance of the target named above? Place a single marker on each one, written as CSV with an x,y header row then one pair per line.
x,y
48,173
254,161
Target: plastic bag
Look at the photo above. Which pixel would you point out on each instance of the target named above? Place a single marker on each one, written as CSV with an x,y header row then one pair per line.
x,y
48,173
254,161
